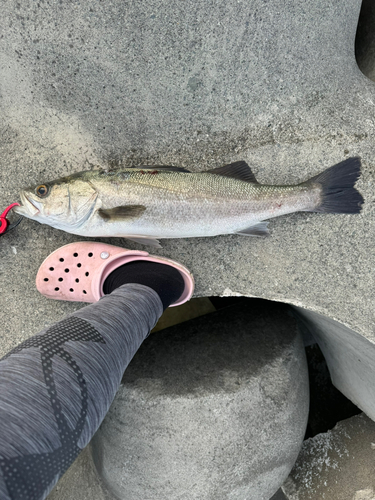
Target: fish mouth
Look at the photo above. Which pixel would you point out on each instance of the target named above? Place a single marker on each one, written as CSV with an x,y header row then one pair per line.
x,y
29,208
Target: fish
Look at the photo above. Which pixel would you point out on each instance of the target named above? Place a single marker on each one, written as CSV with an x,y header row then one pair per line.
x,y
149,203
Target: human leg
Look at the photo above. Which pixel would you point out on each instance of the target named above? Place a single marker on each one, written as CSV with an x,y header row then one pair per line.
x,y
56,387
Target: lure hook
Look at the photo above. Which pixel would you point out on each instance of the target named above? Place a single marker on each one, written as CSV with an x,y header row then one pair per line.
x,y
5,225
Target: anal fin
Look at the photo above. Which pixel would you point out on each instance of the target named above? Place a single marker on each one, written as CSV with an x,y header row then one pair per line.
x,y
144,240
258,229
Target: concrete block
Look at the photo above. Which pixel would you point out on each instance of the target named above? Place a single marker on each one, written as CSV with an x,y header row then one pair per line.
x,y
212,408
197,85
349,356
337,465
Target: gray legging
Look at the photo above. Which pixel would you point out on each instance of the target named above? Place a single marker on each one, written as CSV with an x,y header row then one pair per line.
x,y
56,387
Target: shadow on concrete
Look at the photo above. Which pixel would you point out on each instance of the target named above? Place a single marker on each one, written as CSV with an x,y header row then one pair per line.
x,y
365,39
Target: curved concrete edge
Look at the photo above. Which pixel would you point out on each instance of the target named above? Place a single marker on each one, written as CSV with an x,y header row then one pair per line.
x,y
349,356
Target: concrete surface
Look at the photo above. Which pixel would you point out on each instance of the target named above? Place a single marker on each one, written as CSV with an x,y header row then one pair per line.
x,y
197,85
213,408
337,465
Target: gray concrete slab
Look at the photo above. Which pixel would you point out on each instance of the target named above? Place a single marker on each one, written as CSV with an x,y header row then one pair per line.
x,y
336,465
349,356
196,84
213,408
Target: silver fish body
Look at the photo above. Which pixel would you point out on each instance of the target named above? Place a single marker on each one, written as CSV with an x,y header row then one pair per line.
x,y
151,203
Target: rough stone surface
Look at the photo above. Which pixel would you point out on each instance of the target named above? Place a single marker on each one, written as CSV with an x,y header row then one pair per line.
x,y
197,85
337,465
212,408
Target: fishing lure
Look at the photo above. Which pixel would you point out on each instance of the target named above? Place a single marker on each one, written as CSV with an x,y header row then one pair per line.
x,y
5,225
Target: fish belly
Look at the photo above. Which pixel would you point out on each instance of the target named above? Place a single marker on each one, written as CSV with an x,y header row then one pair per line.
x,y
178,222
187,221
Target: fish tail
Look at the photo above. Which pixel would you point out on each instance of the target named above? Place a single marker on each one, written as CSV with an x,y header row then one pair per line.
x,y
338,194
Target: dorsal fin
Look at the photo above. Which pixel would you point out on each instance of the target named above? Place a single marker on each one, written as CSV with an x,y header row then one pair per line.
x,y
238,170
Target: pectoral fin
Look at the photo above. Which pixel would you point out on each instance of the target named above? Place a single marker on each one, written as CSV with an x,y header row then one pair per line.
x,y
259,229
117,214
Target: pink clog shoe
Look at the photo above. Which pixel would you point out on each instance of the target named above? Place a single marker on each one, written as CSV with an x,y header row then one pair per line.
x,y
77,271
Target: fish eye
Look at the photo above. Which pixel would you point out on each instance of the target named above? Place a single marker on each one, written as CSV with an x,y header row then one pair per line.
x,y
41,191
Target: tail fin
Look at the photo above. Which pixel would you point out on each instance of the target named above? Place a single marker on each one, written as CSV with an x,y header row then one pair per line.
x,y
339,195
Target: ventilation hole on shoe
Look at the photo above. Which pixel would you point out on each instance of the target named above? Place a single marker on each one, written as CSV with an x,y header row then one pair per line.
x,y
66,270
51,268
71,290
45,279
75,254
60,279
84,291
86,274
90,254
77,280
79,265
61,259
57,289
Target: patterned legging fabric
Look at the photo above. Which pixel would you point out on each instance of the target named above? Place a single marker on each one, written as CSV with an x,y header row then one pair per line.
x,y
57,386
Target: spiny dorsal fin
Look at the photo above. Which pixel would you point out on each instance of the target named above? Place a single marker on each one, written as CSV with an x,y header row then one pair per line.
x,y
163,168
238,170
121,213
